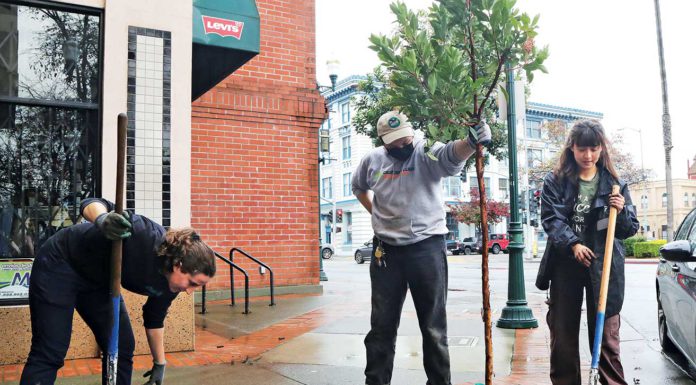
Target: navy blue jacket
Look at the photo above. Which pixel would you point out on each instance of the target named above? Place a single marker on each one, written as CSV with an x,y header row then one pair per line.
x,y
88,251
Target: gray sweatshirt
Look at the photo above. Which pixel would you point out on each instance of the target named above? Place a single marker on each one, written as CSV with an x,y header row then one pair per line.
x,y
407,206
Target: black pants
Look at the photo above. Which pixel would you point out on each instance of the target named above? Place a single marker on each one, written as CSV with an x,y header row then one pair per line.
x,y
422,268
55,291
568,281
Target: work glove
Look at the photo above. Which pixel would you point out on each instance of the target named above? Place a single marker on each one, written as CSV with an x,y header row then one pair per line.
x,y
479,134
156,374
114,226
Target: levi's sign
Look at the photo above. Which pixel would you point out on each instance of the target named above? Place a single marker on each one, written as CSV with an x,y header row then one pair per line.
x,y
223,27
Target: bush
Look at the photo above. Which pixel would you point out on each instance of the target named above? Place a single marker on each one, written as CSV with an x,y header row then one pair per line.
x,y
629,243
648,249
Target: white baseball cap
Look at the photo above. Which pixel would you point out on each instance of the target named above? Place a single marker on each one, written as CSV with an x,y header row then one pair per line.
x,y
392,126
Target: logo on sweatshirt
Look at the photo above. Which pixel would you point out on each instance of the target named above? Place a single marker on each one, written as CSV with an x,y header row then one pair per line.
x,y
393,174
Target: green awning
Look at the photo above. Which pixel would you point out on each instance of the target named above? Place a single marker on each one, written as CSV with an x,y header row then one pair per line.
x,y
226,34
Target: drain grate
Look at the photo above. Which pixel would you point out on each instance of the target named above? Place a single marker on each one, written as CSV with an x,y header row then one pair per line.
x,y
462,341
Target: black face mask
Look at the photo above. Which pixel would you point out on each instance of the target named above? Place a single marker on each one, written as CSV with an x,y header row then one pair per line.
x,y
402,153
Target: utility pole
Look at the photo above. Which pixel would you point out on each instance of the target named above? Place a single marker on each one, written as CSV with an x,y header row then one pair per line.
x,y
516,314
666,125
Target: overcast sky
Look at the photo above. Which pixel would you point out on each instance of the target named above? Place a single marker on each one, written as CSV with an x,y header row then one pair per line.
x,y
603,57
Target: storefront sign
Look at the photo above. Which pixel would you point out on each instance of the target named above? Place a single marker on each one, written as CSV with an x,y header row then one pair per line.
x,y
14,280
223,27
226,33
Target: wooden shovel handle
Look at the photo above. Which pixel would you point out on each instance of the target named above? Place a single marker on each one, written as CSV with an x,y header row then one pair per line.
x,y
608,253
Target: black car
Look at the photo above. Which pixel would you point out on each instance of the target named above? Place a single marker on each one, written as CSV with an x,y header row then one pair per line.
x,y
453,246
676,292
364,253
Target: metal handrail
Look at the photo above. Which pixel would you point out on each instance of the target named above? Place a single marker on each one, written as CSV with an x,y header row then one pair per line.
x,y
246,285
258,262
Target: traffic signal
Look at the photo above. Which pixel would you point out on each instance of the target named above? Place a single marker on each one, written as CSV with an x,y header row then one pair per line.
x,y
521,202
329,216
339,215
537,197
533,206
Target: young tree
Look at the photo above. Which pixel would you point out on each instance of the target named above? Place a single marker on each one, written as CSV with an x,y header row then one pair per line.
x,y
375,101
443,71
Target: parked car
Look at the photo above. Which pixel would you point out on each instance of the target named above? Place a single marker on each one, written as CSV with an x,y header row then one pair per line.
x,y
364,253
496,243
453,246
676,292
466,246
327,250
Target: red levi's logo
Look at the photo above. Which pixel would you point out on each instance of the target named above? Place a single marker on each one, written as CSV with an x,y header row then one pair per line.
x,y
223,27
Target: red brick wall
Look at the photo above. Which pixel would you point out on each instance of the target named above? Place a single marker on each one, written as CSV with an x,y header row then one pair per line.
x,y
254,154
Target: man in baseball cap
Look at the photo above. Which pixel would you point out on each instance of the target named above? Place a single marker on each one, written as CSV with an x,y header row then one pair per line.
x,y
392,126
409,252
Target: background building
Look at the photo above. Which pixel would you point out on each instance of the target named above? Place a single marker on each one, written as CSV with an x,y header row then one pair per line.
x,y
691,167
347,147
650,200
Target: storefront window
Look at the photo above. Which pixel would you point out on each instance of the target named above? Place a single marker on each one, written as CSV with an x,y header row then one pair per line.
x,y
49,125
49,54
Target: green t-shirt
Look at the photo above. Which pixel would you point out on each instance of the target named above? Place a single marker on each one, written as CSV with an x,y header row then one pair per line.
x,y
586,194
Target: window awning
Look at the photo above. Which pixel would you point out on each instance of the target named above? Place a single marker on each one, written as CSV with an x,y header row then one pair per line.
x,y
226,34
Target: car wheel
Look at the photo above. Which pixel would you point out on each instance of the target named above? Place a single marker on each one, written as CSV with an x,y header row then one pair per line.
x,y
496,249
467,250
666,344
359,258
326,253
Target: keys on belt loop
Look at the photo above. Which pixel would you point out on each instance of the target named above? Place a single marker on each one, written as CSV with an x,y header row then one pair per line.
x,y
380,254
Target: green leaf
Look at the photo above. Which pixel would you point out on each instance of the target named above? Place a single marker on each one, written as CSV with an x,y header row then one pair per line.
x,y
432,83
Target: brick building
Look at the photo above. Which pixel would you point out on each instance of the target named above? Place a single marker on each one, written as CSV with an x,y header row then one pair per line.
x,y
254,153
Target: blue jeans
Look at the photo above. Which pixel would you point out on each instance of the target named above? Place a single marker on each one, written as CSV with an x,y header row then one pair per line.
x,y
422,268
55,291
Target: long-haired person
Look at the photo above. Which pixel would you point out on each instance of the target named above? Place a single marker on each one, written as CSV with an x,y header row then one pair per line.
x,y
71,272
575,203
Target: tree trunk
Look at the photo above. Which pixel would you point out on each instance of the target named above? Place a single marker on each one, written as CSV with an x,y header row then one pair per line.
x,y
485,289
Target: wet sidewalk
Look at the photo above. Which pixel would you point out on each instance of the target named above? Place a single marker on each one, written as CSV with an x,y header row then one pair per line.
x,y
318,339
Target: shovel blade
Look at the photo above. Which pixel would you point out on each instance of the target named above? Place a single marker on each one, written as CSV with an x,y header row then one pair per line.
x,y
594,377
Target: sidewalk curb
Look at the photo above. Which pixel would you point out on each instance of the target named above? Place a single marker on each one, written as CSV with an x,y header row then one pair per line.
x,y
642,261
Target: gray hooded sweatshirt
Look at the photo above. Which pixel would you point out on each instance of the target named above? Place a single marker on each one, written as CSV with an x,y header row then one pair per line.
x,y
407,206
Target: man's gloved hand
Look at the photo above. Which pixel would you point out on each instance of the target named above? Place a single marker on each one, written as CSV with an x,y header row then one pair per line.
x,y
156,374
114,226
480,134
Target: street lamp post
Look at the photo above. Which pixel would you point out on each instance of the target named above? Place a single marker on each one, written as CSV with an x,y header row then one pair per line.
x,y
516,314
642,174
323,147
